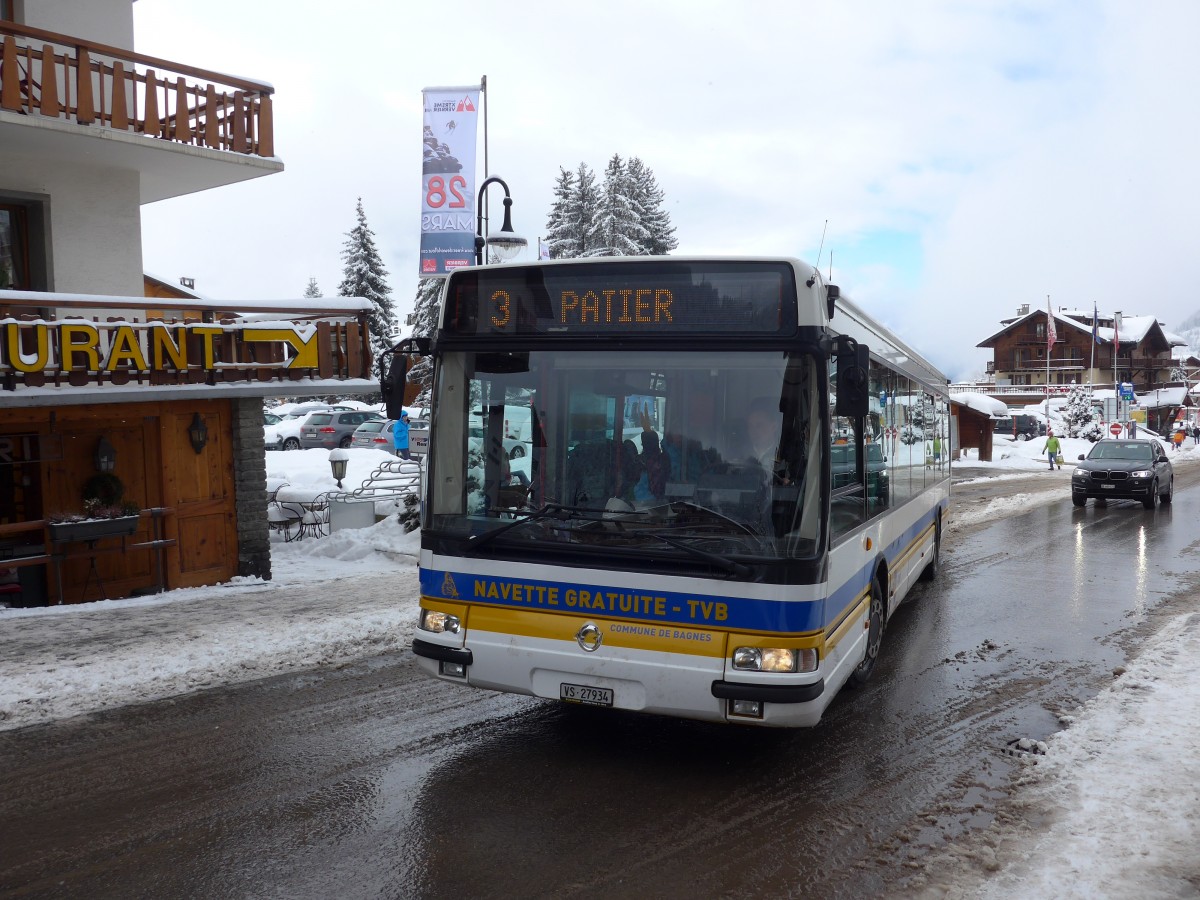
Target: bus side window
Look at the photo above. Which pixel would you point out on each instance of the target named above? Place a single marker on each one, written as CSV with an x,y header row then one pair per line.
x,y
847,497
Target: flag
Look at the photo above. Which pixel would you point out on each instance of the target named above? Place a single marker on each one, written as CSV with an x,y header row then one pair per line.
x,y
1051,334
1095,324
1116,334
543,250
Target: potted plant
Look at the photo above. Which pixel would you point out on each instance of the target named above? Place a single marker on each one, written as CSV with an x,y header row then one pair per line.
x,y
104,514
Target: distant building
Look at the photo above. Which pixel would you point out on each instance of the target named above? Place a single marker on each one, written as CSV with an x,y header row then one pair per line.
x,y
1083,352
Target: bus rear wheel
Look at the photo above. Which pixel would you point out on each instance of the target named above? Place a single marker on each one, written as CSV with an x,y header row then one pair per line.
x,y
931,568
875,617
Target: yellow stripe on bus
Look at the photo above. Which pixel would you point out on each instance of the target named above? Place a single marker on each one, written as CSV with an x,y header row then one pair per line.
x,y
666,637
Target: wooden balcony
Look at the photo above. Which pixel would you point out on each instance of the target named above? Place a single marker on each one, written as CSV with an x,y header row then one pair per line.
x,y
56,76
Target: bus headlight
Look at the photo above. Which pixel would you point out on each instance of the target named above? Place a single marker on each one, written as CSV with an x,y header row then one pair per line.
x,y
775,659
438,622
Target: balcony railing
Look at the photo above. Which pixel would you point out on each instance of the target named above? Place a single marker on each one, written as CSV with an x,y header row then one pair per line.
x,y
61,77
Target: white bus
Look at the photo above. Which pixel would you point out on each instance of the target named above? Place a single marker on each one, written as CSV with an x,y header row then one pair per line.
x,y
726,547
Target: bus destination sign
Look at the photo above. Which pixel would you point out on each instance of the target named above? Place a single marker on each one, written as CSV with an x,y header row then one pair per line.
x,y
711,297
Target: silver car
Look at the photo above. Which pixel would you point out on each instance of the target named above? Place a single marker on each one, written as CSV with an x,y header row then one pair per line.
x,y
332,429
374,434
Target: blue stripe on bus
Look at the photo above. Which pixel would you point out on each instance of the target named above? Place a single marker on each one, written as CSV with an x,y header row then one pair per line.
x,y
700,610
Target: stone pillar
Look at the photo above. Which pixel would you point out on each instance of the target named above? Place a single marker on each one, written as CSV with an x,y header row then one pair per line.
x,y
250,488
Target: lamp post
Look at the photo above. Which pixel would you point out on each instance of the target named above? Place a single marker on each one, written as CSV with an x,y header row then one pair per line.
x,y
339,459
507,243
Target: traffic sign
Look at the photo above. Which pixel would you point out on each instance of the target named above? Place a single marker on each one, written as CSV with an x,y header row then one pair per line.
x,y
1114,429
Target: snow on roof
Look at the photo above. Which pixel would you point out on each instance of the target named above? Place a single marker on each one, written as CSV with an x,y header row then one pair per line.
x,y
997,409
1167,396
1133,328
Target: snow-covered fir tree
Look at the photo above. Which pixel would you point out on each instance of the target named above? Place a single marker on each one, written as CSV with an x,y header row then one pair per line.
x,y
1079,417
365,276
623,217
617,228
660,238
569,227
424,323
312,291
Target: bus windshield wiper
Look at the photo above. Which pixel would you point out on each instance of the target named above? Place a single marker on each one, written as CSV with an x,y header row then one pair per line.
x,y
547,511
722,562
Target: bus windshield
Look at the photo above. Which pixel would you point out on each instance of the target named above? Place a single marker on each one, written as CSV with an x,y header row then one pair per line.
x,y
712,457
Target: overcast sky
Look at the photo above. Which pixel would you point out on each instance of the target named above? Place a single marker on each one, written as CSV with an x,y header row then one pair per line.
x,y
968,156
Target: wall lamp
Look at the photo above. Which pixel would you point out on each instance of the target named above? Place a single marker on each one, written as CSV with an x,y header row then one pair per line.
x,y
105,457
198,433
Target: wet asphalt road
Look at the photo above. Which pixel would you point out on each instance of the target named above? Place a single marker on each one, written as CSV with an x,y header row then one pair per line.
x,y
372,781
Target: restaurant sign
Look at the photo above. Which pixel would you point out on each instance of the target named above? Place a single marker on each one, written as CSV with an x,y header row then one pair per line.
x,y
144,347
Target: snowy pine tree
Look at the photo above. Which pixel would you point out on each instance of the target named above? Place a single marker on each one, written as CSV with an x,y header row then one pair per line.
x,y
312,291
425,317
617,229
624,217
365,276
569,227
660,239
1080,418
561,235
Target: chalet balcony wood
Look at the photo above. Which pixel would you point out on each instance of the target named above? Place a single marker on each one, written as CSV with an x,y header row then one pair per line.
x,y
62,77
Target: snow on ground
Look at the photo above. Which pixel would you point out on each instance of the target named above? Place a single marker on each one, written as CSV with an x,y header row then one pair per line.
x,y
1119,787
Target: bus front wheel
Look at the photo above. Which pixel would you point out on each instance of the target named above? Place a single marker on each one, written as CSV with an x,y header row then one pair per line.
x,y
875,617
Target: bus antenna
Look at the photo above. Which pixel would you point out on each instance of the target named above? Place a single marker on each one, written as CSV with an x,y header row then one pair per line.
x,y
820,250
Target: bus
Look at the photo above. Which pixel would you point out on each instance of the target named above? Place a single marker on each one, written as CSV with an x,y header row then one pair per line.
x,y
717,513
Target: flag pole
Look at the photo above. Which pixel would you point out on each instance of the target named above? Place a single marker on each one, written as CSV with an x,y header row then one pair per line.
x,y
1049,350
1095,334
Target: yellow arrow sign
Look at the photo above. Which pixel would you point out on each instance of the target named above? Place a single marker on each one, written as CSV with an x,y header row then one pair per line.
x,y
305,350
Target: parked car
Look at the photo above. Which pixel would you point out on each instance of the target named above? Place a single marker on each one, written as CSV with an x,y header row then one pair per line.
x,y
271,438
374,434
288,429
1022,427
332,429
1124,469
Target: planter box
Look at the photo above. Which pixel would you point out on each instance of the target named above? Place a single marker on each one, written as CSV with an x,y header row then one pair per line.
x,y
92,529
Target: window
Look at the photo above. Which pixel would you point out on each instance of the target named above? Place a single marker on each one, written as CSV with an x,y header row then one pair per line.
x,y
6,10
23,252
14,253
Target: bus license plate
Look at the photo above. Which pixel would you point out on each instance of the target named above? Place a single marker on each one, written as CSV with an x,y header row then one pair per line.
x,y
582,693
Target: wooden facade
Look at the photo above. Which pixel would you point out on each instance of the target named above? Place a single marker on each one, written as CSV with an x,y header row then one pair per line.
x,y
49,454
138,383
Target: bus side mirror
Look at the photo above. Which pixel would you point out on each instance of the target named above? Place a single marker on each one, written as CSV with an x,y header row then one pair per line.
x,y
392,381
393,376
832,293
853,396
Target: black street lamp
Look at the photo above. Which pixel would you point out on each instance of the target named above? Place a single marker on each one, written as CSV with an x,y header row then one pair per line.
x,y
506,243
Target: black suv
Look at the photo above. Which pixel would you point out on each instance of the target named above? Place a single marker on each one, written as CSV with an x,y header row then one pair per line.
x,y
1127,470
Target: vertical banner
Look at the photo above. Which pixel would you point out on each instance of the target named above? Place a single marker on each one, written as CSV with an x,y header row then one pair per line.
x,y
448,179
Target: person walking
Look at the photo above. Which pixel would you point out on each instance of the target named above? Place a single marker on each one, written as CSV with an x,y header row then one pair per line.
x,y
1052,448
400,436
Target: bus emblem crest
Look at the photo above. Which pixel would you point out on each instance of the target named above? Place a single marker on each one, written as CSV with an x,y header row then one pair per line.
x,y
589,637
448,588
